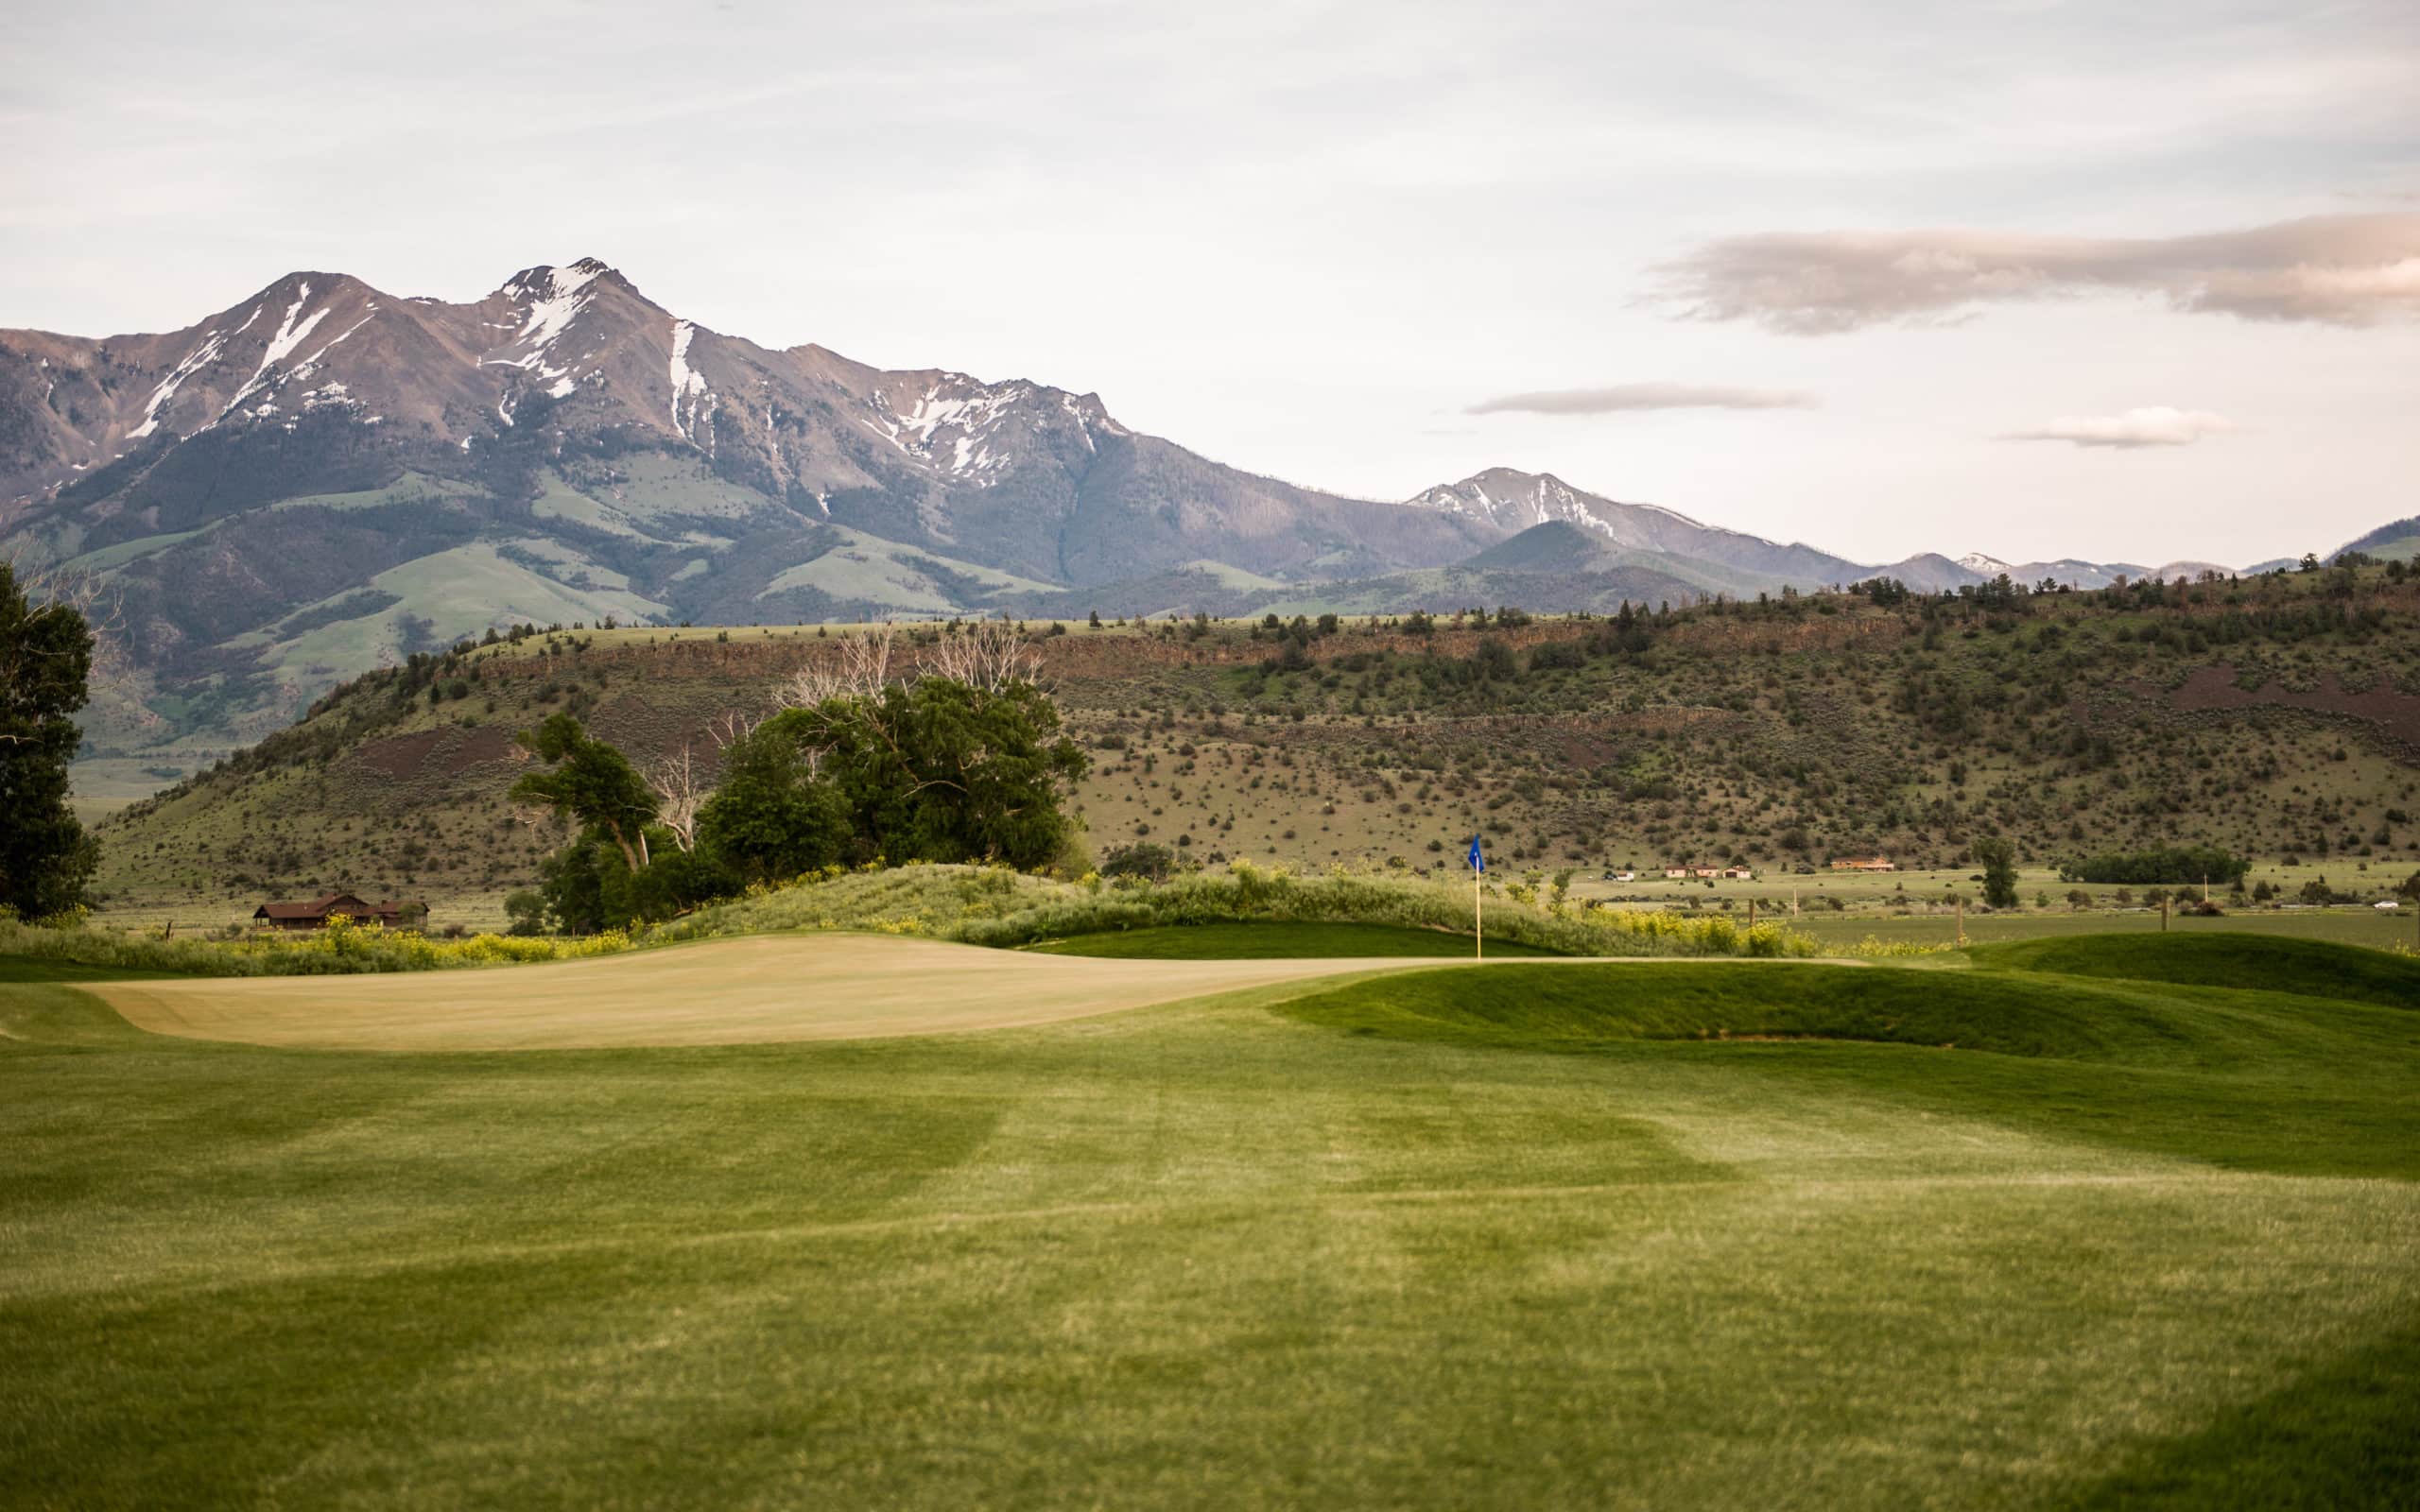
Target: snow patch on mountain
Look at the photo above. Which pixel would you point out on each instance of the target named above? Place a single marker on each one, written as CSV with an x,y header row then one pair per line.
x,y
691,398
311,364
554,303
290,335
198,358
1514,503
966,415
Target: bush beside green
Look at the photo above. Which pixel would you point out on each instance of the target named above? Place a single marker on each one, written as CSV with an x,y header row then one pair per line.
x,y
341,948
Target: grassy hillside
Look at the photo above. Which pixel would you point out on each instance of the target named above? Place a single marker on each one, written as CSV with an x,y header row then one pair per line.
x,y
1553,1244
2278,716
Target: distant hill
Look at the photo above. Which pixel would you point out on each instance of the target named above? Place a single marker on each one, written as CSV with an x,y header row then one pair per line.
x,y
2395,541
2272,715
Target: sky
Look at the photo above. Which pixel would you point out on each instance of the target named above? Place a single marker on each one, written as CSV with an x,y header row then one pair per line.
x,y
2134,283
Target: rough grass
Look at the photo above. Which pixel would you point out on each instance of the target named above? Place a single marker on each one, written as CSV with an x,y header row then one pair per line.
x,y
1218,1256
1270,941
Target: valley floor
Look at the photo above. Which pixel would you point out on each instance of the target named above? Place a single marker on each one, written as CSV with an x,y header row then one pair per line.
x,y
1529,1236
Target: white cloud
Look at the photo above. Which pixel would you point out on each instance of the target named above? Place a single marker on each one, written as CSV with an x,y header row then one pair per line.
x,y
2152,426
2349,270
1624,397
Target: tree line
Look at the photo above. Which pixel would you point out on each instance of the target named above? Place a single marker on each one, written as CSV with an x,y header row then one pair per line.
x,y
960,760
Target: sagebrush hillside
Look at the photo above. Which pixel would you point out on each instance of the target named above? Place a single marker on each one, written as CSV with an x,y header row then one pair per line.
x,y
2275,716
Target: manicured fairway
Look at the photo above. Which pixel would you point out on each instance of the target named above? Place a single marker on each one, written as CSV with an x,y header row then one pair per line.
x,y
1538,1235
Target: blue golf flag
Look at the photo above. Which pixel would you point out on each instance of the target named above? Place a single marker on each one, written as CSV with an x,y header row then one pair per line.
x,y
1479,863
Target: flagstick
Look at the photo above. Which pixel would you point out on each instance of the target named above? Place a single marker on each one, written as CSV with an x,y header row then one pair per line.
x,y
1478,925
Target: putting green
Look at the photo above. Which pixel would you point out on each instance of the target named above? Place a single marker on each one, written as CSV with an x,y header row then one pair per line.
x,y
758,989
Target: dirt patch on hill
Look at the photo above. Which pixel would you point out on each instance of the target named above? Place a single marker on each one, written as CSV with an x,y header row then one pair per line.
x,y
444,752
2213,693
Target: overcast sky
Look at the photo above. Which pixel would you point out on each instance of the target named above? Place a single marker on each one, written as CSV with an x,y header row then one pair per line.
x,y
2137,282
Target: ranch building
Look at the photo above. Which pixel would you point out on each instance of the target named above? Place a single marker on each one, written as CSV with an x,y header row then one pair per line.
x,y
396,914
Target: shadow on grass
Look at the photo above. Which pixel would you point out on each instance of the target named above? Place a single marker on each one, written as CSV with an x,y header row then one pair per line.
x,y
2344,1436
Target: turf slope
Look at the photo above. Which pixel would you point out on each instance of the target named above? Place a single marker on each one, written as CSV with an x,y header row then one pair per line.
x,y
1532,1237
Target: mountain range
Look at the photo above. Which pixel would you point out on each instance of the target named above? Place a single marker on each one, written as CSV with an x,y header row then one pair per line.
x,y
324,477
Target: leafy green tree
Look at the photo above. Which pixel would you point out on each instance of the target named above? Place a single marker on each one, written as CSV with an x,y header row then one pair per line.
x,y
677,881
592,783
584,890
1998,857
526,910
45,660
2188,863
940,770
770,818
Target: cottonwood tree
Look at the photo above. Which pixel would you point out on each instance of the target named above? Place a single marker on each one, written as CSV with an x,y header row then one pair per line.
x,y
960,759
1998,857
592,783
47,643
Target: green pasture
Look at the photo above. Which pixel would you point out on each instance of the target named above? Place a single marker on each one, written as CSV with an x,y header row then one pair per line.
x,y
2057,1226
2341,926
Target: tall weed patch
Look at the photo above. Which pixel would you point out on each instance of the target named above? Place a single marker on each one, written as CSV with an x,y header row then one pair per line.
x,y
342,947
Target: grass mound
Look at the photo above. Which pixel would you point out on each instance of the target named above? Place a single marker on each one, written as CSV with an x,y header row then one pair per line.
x,y
2246,1080
1567,1008
2307,968
982,906
1255,942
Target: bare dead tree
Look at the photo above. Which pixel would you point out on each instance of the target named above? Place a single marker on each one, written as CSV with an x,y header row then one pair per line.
x,y
680,791
859,669
990,654
732,726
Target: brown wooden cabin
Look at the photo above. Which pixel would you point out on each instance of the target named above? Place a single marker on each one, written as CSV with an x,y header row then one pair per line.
x,y
393,914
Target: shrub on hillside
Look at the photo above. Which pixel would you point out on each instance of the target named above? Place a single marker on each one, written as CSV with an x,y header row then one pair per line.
x,y
1152,863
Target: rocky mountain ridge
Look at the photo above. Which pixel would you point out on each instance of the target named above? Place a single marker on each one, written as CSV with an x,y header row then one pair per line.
x,y
326,477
